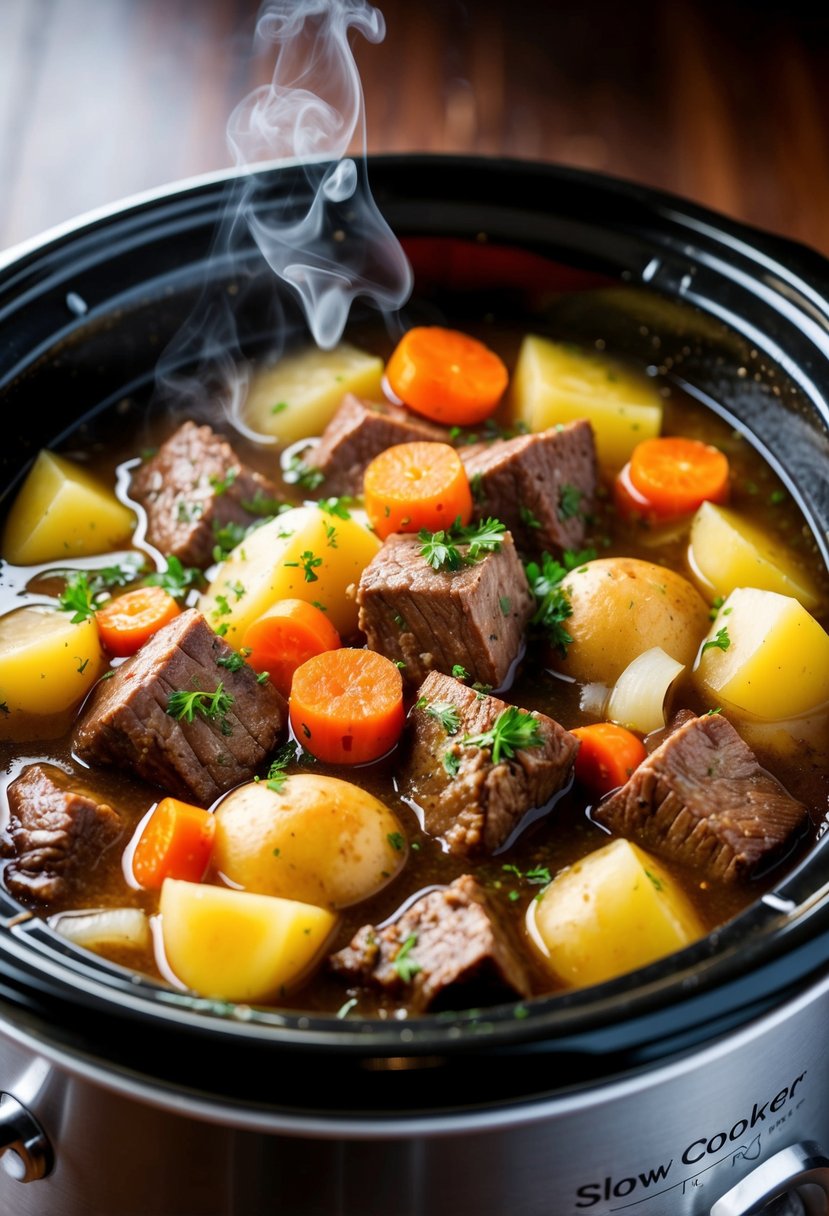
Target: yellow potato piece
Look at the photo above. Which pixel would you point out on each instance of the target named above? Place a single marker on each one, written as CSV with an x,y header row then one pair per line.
x,y
319,839
616,910
555,383
47,664
623,607
299,396
727,552
61,512
775,664
234,946
295,556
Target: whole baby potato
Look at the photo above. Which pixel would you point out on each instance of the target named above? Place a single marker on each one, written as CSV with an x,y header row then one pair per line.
x,y
623,607
316,839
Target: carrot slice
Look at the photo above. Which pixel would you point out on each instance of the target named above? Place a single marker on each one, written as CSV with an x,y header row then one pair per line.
x,y
446,375
176,843
126,623
674,475
285,637
416,485
346,706
607,756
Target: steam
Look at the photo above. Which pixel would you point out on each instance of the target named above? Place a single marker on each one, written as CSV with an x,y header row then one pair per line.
x,y
312,109
327,252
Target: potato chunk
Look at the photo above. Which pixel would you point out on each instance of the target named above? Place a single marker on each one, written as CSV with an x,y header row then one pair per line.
x,y
727,552
623,607
234,946
767,657
47,664
303,554
61,512
299,396
616,910
555,383
317,839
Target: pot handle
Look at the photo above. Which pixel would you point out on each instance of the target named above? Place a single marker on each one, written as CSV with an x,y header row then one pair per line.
x,y
802,1169
25,1152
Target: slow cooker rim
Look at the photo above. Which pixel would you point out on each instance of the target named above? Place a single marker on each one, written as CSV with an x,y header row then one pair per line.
x,y
501,1024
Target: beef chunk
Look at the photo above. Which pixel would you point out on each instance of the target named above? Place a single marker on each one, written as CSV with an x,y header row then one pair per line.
x,y
433,619
59,830
193,486
479,807
126,721
357,433
541,486
702,799
458,953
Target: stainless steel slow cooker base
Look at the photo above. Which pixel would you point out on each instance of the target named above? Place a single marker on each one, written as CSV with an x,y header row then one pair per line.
x,y
670,1141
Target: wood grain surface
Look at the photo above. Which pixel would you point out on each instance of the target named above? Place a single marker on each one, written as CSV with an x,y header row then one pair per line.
x,y
726,103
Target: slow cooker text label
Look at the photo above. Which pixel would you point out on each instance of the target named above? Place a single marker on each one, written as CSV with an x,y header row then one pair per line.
x,y
697,1151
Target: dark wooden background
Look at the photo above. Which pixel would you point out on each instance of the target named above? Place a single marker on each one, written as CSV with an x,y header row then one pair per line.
x,y
725,102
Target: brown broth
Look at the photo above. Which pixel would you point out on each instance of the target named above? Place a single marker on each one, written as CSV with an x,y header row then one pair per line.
x,y
559,839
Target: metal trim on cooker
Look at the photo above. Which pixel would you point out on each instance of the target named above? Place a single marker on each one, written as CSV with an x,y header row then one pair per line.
x,y
520,1113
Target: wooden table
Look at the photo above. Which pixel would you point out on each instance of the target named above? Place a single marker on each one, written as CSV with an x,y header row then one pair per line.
x,y
727,102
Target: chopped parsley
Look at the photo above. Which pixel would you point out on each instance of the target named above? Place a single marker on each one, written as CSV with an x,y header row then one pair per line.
x,y
222,484
569,501
176,579
776,497
301,474
539,876
459,671
396,840
440,549
657,883
78,597
716,606
234,661
309,562
82,664
552,603
720,641
406,966
512,731
262,504
213,706
451,762
186,512
443,712
279,408
126,572
277,776
336,506
527,518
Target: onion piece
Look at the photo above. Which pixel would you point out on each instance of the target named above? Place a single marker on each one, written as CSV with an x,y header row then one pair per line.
x,y
104,927
638,697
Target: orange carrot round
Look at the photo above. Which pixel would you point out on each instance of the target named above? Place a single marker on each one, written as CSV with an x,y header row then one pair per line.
x,y
446,375
607,756
416,485
128,621
285,637
346,706
176,843
674,475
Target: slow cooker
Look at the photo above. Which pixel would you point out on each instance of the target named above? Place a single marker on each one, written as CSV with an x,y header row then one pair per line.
x,y
698,1085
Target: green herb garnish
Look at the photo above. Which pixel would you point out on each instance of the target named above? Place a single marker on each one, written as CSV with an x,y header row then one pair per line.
x,y
440,549
397,840
406,966
569,501
443,712
221,485
176,579
720,641
309,562
552,604
300,474
276,773
213,706
459,671
336,506
78,597
512,731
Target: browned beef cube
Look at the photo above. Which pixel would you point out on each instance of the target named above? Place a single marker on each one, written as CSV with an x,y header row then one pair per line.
x,y
450,949
59,829
541,486
432,619
203,753
702,799
471,804
358,432
193,486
